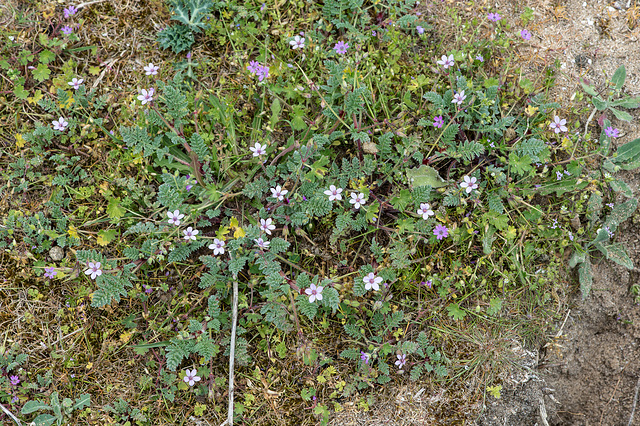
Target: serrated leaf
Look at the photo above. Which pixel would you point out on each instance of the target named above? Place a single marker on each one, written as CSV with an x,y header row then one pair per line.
x,y
330,298
619,76
425,176
83,401
621,115
20,93
114,210
47,56
106,236
41,73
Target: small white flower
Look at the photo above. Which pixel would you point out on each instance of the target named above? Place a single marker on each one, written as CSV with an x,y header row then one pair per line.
x,y
174,217
297,42
75,83
261,243
94,270
425,211
458,98
278,193
217,247
357,199
334,193
146,96
315,293
402,360
190,233
558,125
258,150
61,124
267,226
469,184
372,282
191,377
151,69
446,62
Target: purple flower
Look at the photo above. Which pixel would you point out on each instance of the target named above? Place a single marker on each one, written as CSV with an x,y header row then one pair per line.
x,y
263,72
446,62
428,283
66,30
365,357
253,67
94,270
611,132
558,175
14,380
315,293
50,272
479,57
494,17
263,7
341,47
441,231
438,122
402,360
525,34
70,11
191,377
420,29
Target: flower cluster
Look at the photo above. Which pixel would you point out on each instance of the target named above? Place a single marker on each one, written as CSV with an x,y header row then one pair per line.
x,y
255,68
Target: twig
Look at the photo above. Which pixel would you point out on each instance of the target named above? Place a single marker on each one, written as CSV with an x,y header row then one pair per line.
x,y
232,352
586,126
635,401
15,419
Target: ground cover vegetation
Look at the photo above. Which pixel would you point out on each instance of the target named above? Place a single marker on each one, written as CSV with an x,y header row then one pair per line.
x,y
291,203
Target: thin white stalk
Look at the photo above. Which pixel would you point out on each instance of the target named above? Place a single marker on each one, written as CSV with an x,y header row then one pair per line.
x,y
232,351
8,413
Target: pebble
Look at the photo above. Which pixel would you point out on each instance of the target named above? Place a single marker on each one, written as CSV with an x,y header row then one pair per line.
x,y
618,5
56,253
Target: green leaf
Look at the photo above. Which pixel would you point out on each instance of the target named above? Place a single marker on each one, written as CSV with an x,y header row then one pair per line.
x,y
33,406
401,201
495,306
425,176
618,254
41,73
455,312
622,187
83,401
114,210
619,77
20,93
44,420
47,56
330,298
589,89
621,115
576,258
275,113
627,102
599,103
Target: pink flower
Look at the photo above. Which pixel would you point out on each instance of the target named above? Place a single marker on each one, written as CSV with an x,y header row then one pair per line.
x,y
494,17
61,124
558,125
258,149
267,226
425,211
191,377
469,184
357,199
525,34
315,293
446,62
151,69
217,247
94,270
75,83
333,193
372,282
146,96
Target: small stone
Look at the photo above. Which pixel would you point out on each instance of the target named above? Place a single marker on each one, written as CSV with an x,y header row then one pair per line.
x,y
56,253
618,5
